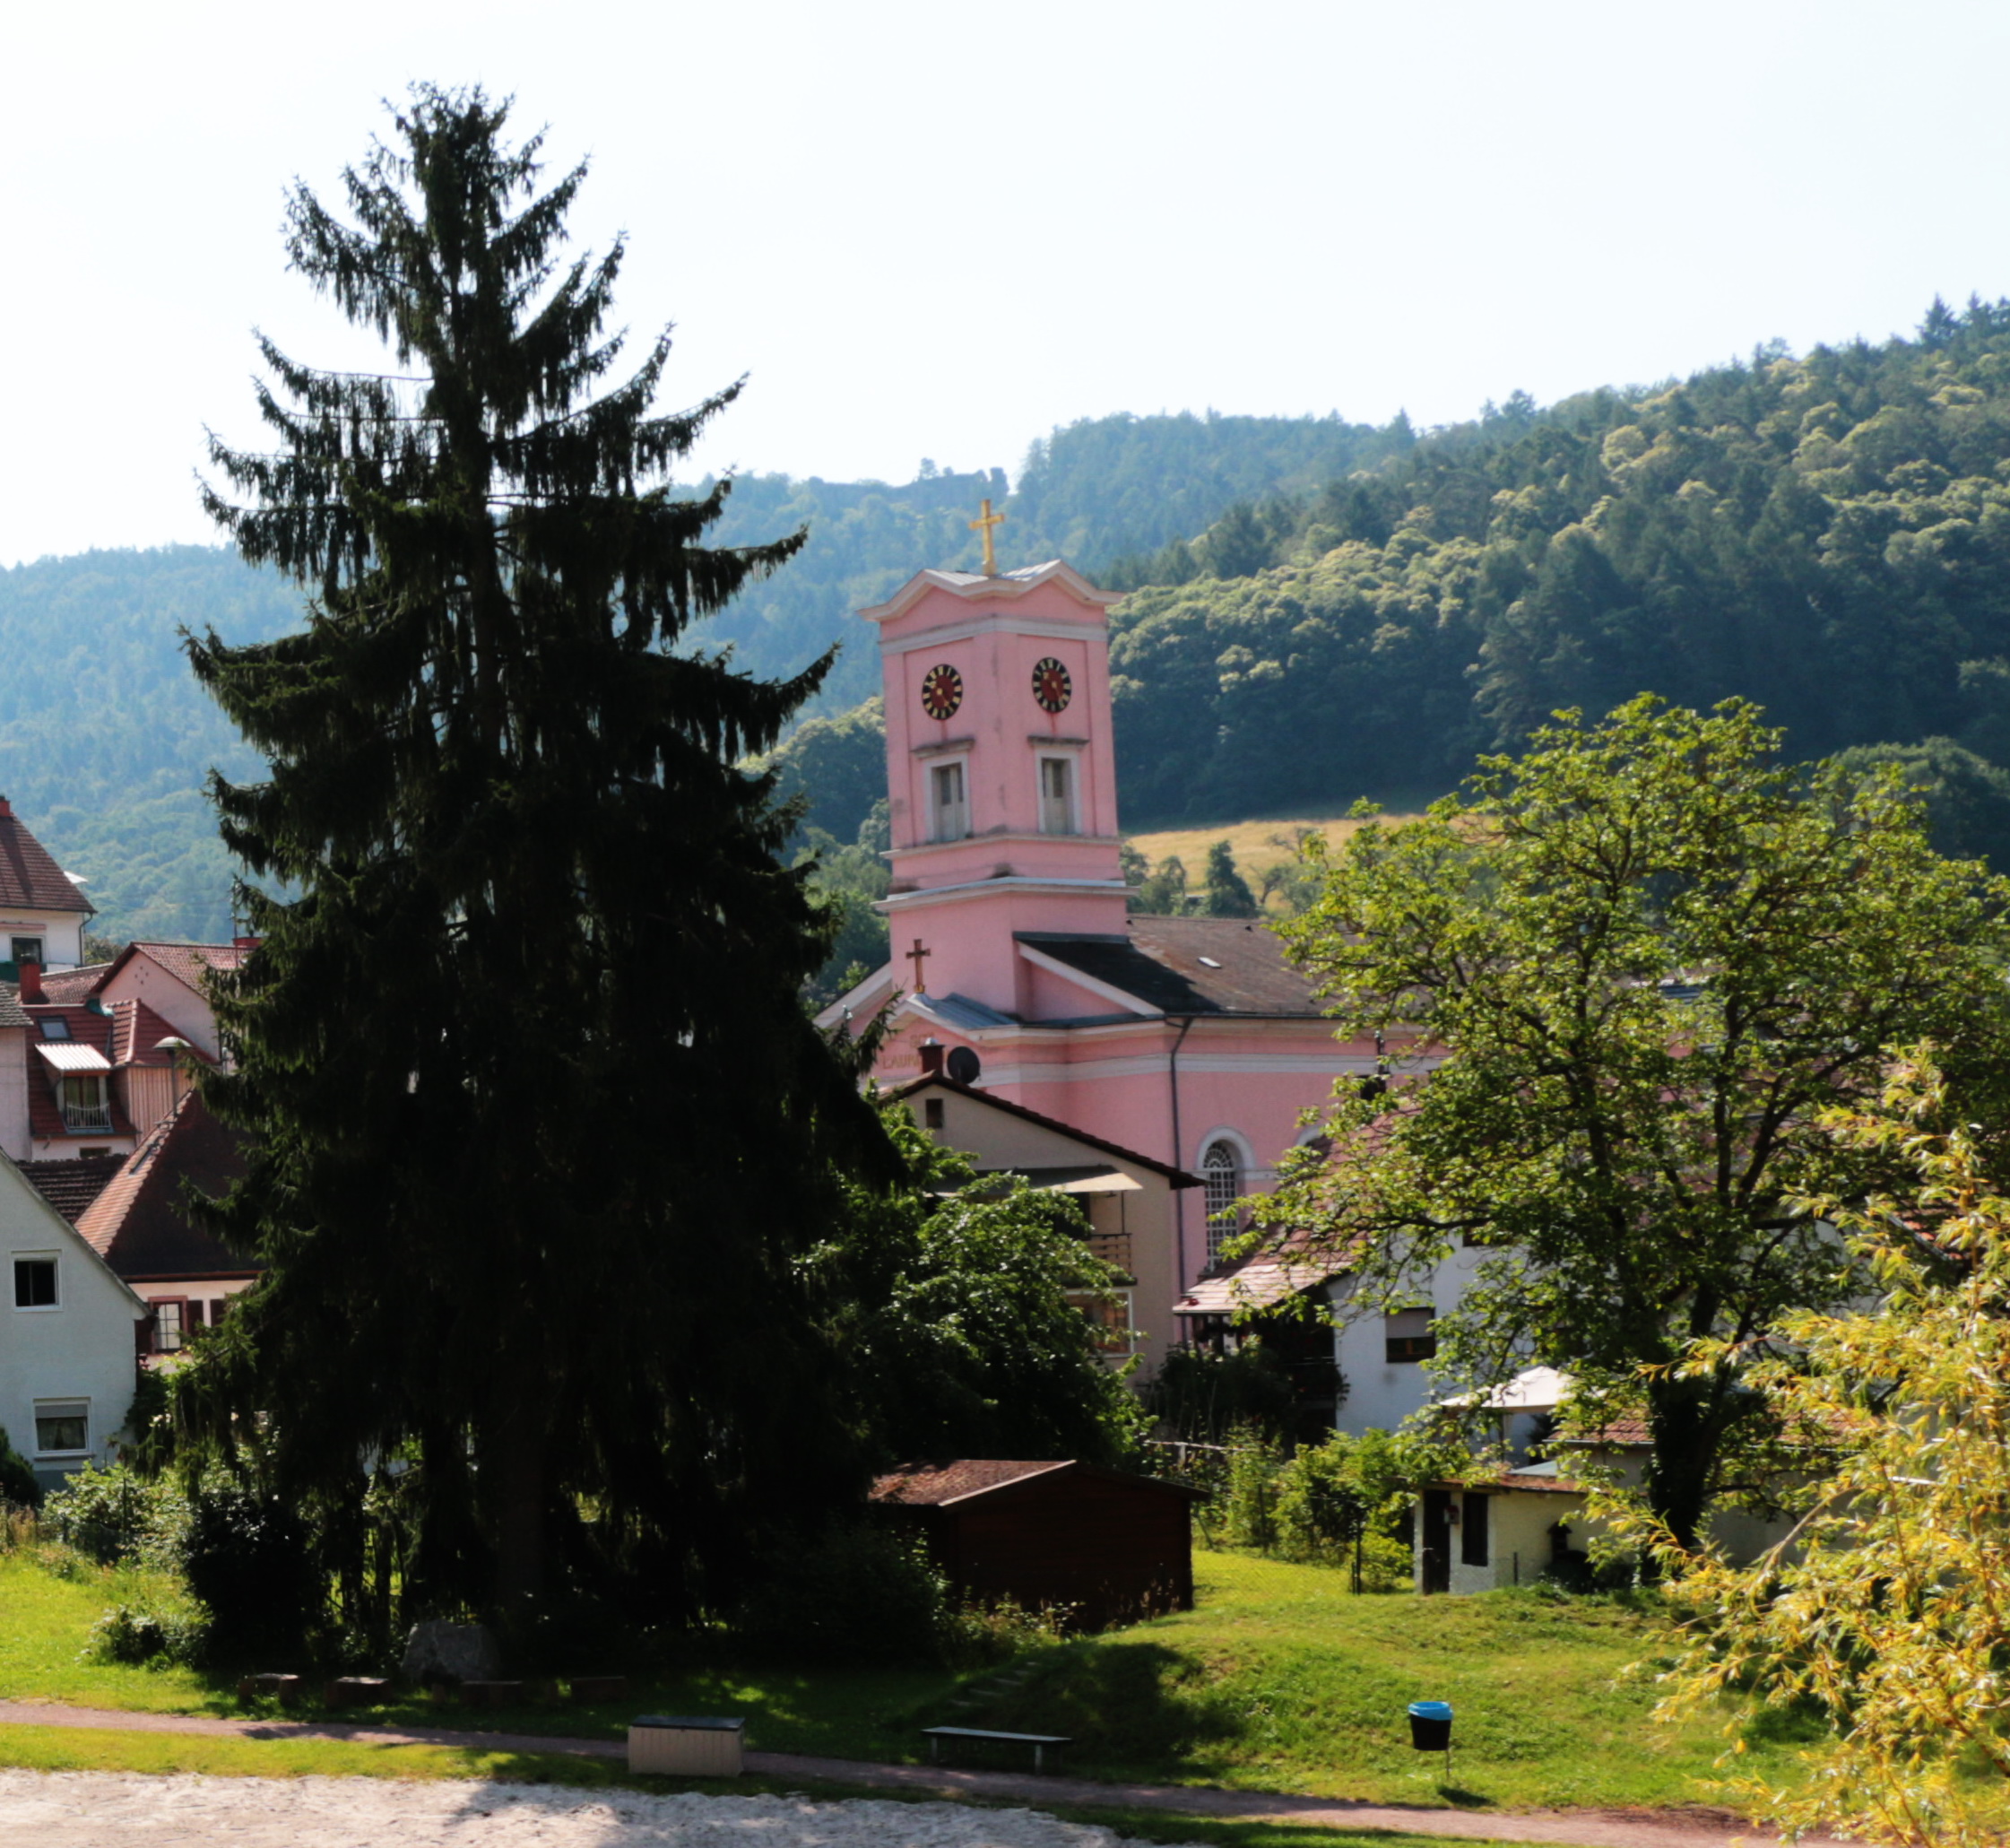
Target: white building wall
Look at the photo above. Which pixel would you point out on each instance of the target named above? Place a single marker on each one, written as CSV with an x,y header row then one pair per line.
x,y
75,1352
187,1012
61,932
1381,1392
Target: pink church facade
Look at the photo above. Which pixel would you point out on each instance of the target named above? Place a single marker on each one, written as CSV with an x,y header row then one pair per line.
x,y
1189,1040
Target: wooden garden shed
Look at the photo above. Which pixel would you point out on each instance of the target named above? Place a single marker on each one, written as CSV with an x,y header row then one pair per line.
x,y
1106,1546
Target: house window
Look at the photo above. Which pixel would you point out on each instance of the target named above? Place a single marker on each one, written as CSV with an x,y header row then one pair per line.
x,y
53,1027
931,1112
1221,1167
35,1281
171,1324
1110,1317
26,950
949,806
1057,796
62,1427
84,1109
1407,1335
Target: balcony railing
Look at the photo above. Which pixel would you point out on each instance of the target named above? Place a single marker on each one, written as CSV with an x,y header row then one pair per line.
x,y
86,1119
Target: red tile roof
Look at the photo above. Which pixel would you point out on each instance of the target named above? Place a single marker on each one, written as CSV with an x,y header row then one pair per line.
x,y
71,1186
127,1033
72,987
138,1224
29,878
190,964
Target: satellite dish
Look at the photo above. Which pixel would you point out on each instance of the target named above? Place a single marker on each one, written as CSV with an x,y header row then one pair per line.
x,y
964,1065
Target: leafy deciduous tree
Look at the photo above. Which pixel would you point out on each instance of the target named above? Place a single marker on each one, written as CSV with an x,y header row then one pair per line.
x,y
1652,954
1887,1609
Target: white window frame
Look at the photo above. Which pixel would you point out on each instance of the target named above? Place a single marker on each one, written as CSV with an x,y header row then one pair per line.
x,y
1218,1231
54,1259
936,807
1070,762
51,1409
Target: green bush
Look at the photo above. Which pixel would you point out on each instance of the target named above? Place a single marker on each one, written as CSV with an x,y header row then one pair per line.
x,y
247,1559
1249,1509
856,1594
146,1633
1200,1396
118,1516
18,1486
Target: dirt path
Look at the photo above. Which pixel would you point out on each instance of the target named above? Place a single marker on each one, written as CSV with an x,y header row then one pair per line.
x,y
1579,1828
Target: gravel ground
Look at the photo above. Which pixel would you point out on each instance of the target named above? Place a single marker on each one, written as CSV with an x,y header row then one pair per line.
x,y
92,1808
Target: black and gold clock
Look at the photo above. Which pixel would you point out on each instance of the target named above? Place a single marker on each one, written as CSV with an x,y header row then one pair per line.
x,y
1051,685
941,691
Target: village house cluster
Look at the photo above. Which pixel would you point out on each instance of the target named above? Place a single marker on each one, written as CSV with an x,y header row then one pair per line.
x,y
1153,1069
101,1131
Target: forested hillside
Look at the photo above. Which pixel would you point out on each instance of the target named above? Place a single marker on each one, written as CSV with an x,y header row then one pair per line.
x,y
104,740
1324,610
1829,536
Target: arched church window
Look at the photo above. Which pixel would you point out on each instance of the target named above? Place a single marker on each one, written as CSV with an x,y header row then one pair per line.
x,y
1221,1169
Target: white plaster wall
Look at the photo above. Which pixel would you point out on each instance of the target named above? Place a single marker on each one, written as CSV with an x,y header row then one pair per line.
x,y
62,935
187,1012
80,1349
1380,1393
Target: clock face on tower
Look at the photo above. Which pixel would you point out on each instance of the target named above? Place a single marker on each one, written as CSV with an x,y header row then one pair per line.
x,y
1051,685
941,691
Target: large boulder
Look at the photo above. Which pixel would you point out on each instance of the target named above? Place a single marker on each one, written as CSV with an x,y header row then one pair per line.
x,y
445,1652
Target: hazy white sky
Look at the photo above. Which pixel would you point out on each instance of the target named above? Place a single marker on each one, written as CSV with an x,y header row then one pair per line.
x,y
939,229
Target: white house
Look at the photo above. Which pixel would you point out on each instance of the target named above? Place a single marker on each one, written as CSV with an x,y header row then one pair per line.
x,y
68,1329
42,913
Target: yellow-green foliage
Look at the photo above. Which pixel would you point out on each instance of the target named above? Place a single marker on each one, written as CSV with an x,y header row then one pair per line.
x,y
1888,1611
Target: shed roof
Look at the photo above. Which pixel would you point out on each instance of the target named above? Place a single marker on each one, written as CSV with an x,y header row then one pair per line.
x,y
942,1484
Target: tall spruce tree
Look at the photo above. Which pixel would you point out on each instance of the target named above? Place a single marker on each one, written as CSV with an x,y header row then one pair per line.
x,y
538,1130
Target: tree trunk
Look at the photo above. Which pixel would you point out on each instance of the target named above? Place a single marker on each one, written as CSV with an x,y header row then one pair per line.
x,y
515,1468
1686,1439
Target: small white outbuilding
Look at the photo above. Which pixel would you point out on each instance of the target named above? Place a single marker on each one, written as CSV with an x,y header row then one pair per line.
x,y
68,1338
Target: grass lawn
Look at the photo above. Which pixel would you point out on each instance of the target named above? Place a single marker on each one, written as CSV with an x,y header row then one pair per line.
x,y
1279,1680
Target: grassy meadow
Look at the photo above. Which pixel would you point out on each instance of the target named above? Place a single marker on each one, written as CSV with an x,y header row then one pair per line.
x,y
1258,846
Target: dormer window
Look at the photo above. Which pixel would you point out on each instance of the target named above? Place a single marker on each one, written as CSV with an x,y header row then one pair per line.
x,y
85,1111
948,805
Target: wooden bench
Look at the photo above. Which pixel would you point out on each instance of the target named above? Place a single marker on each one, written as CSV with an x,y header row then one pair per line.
x,y
1039,1742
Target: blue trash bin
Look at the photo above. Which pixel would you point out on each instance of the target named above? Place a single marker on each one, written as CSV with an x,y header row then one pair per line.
x,y
1431,1725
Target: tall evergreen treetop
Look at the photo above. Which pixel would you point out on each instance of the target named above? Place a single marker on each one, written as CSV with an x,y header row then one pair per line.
x,y
538,1129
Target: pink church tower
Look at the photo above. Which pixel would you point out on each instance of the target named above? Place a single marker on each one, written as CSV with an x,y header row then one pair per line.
x,y
1001,776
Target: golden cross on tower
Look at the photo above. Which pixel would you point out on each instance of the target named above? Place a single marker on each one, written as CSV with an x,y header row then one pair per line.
x,y
914,956
982,524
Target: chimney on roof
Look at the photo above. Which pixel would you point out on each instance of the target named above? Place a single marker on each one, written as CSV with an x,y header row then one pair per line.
x,y
31,982
247,943
931,1057
6,810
